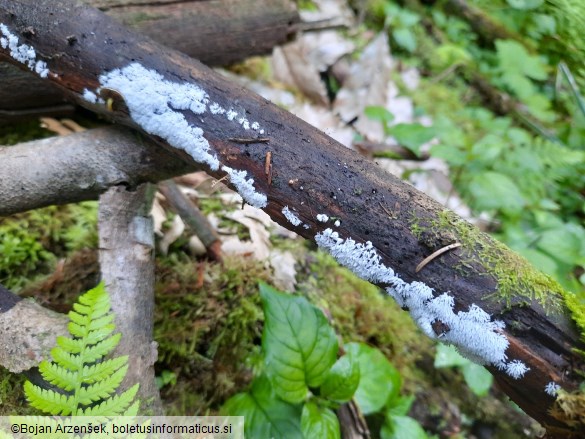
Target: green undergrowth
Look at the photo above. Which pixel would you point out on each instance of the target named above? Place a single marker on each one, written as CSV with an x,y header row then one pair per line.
x,y
14,133
32,242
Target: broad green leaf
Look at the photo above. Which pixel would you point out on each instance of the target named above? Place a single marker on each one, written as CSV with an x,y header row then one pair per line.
x,y
447,356
378,113
319,422
488,148
400,406
402,427
525,4
514,58
379,380
561,244
341,380
298,343
412,135
493,190
405,38
266,416
477,378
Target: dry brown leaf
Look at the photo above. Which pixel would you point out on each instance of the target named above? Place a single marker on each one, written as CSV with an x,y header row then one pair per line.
x,y
172,234
283,265
55,126
366,86
291,68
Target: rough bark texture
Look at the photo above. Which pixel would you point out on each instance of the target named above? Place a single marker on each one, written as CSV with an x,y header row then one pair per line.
x,y
215,32
126,235
314,174
81,166
28,332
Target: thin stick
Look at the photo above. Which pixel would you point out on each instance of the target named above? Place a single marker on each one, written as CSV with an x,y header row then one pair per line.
x,y
249,141
268,167
439,252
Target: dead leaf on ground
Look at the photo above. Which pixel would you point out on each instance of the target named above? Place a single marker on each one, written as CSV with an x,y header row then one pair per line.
x,y
366,86
283,265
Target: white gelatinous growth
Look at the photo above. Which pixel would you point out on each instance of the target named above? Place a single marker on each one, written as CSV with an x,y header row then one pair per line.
x,y
473,332
516,369
322,217
552,388
291,217
89,96
154,102
22,53
337,223
246,187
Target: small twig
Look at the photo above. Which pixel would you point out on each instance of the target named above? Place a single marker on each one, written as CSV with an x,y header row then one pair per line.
x,y
249,141
439,252
392,214
268,167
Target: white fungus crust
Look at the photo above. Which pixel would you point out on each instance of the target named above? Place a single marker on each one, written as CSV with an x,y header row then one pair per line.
x,y
291,217
473,332
322,217
22,53
552,388
158,104
246,187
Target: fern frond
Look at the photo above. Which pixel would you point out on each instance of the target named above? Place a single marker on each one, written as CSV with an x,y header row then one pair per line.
x,y
48,400
65,359
113,406
102,389
132,410
101,349
87,381
100,371
58,376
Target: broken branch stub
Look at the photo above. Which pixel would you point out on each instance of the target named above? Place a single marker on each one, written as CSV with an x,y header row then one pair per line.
x,y
498,310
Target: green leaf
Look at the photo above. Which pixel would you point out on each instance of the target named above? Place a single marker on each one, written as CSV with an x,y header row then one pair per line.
x,y
298,343
266,415
493,190
379,380
488,148
561,244
400,406
402,427
412,135
78,366
477,378
342,380
515,59
447,356
405,38
525,4
319,422
379,113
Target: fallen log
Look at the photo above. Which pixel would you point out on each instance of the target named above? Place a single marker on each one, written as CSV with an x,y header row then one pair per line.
x,y
215,32
480,296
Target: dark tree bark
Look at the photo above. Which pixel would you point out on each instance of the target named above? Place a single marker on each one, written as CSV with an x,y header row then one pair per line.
x,y
215,32
311,174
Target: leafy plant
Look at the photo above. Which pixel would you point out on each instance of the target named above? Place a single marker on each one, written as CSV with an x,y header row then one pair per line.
x,y
409,135
302,381
477,377
86,382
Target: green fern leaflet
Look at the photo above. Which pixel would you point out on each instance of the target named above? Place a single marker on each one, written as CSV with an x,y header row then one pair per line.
x,y
87,383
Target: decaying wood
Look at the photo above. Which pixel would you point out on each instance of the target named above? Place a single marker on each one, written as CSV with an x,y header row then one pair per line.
x,y
312,174
193,217
28,332
218,32
80,167
126,235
